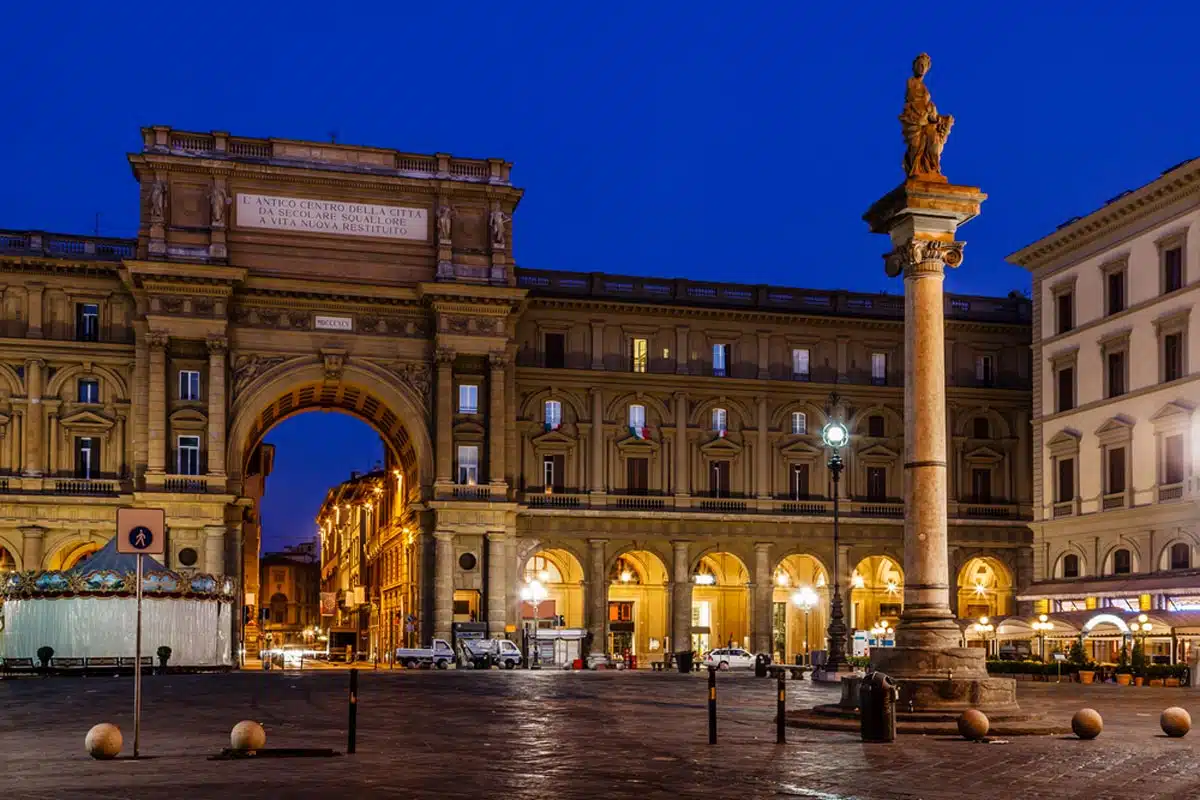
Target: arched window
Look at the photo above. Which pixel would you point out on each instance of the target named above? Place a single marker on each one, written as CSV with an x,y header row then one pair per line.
x,y
279,604
1122,562
875,425
720,420
982,430
1181,556
553,415
637,417
1070,566
799,422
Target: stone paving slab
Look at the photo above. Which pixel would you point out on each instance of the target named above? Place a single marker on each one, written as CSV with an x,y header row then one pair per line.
x,y
560,735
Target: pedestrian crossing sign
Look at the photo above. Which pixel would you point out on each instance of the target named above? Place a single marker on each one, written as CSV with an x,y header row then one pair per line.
x,y
141,530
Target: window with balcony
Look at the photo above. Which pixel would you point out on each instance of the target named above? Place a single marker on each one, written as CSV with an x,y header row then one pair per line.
x,y
981,485
720,359
87,322
554,472
1122,562
876,483
1172,356
468,464
875,425
1172,268
553,414
1065,380
1064,305
1173,459
720,420
718,479
189,384
1181,556
637,475
879,369
555,352
89,390
1070,566
1116,367
985,370
798,483
640,352
1114,290
799,423
1065,491
1115,483
981,428
800,366
468,398
87,457
187,455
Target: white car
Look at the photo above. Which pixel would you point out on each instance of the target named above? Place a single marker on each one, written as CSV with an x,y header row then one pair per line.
x,y
730,658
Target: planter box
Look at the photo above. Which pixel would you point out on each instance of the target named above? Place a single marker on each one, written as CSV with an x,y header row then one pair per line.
x,y
1138,680
1171,682
1156,682
1086,676
1124,679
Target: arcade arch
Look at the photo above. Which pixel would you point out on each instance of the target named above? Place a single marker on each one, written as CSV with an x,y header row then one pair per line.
x,y
876,593
8,562
72,554
985,589
720,602
560,572
639,611
800,580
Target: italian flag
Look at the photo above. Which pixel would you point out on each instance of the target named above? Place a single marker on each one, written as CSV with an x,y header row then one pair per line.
x,y
552,426
722,433
641,433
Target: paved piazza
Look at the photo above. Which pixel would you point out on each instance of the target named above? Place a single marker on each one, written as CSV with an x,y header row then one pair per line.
x,y
552,735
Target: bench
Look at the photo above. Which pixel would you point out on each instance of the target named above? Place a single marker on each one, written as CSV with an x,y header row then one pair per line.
x,y
102,666
18,666
68,665
128,662
797,671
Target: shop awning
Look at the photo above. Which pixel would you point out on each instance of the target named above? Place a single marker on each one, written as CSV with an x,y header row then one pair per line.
x,y
1175,582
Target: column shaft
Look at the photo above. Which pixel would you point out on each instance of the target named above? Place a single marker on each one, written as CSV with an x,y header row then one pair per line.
x,y
216,405
763,469
33,543
214,549
681,447
496,421
763,594
681,599
597,443
497,588
443,585
156,426
445,416
35,413
597,597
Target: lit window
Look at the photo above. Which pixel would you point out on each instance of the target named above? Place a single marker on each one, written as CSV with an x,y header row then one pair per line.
x,y
641,354
637,416
800,364
468,464
468,398
799,422
720,419
985,370
879,368
188,456
87,457
720,360
189,384
89,390
87,322
553,415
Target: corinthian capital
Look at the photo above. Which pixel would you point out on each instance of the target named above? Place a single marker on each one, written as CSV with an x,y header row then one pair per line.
x,y
158,339
498,359
923,257
217,345
444,355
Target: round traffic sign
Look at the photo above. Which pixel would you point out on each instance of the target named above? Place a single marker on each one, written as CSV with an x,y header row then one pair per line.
x,y
141,537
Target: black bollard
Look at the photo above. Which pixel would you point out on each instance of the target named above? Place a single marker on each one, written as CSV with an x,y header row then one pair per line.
x,y
712,706
353,732
780,735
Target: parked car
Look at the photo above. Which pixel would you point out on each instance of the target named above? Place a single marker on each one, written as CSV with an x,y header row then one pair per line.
x,y
729,658
439,655
482,653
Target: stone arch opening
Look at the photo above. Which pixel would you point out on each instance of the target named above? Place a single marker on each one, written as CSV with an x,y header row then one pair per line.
x,y
876,592
72,554
985,589
639,611
720,602
561,573
800,607
8,562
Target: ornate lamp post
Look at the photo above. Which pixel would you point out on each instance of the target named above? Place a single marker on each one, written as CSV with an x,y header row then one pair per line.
x,y
1041,625
835,436
805,599
534,593
983,628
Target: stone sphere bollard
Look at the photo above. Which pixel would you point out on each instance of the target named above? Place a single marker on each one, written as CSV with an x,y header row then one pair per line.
x,y
103,741
1175,722
247,735
973,724
1087,723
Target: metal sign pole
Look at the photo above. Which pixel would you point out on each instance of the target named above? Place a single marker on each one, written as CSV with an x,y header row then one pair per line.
x,y
137,665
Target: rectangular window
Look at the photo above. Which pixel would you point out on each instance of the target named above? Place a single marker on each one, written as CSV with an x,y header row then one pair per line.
x,y
553,414
1115,283
637,475
720,419
188,456
1172,269
720,359
468,464
1065,306
1173,459
640,349
468,398
1172,357
556,350
800,364
189,384
799,482
87,457
981,485
554,472
87,322
981,428
1116,374
1066,480
876,483
718,478
1066,389
89,390
1116,470
637,417
799,423
875,426
985,370
879,369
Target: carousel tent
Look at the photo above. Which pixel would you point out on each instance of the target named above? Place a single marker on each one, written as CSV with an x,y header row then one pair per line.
x,y
90,611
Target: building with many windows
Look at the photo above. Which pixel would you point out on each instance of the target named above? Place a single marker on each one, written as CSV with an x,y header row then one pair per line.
x,y
290,582
1115,392
648,447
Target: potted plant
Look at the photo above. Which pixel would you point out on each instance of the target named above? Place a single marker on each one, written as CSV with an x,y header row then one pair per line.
x,y
1138,664
1124,671
44,654
164,655
1085,671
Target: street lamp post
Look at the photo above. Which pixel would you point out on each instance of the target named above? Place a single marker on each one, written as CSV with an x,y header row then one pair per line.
x,y
533,592
835,436
805,599
1041,625
983,628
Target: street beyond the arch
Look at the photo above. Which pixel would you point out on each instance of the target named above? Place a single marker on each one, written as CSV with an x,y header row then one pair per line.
x,y
558,734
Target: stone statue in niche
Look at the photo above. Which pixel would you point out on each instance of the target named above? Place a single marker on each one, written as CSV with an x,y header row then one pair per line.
x,y
219,199
498,219
925,130
445,219
158,201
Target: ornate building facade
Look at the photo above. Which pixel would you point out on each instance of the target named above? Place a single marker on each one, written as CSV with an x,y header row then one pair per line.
x,y
648,448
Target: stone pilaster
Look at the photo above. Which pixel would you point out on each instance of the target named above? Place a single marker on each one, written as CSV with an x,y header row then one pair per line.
x,y
682,487
763,462
682,354
597,597
156,426
496,420
497,583
217,347
599,485
36,293
762,594
681,598
445,417
443,584
33,547
214,549
35,414
597,344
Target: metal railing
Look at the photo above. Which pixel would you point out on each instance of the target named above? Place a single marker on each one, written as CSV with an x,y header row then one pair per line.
x,y
58,245
87,487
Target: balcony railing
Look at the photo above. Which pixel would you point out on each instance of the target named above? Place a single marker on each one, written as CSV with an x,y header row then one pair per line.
x,y
192,485
1172,492
535,499
638,502
1064,509
989,511
1112,501
56,245
872,509
87,487
471,492
723,506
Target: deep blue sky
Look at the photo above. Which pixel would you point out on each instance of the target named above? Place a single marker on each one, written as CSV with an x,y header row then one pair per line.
x,y
709,140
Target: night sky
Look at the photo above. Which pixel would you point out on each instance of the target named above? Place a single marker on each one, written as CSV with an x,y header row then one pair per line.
x,y
709,140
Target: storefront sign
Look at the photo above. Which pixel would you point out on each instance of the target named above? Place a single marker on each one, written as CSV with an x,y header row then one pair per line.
x,y
305,215
333,323
328,603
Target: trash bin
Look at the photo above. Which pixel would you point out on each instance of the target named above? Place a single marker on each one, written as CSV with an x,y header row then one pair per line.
x,y
684,660
877,707
760,665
